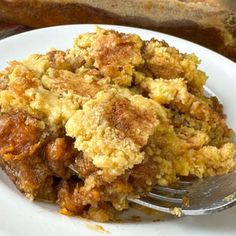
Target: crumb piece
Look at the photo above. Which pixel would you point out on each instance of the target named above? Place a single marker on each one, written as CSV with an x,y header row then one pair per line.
x,y
230,197
176,211
64,211
97,228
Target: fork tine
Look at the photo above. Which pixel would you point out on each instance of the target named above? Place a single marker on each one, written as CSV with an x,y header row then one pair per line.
x,y
154,195
170,190
203,196
71,167
183,183
147,202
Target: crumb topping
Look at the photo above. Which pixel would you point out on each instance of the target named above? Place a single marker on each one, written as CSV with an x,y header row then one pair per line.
x,y
108,119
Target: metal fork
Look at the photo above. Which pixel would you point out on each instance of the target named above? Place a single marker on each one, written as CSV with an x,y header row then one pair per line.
x,y
197,197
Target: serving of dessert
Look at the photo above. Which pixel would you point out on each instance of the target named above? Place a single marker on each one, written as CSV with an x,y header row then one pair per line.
x,y
106,120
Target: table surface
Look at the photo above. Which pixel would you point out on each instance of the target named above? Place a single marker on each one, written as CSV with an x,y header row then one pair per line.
x,y
10,29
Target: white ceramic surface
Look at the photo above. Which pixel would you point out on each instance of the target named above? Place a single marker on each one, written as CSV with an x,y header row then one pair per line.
x,y
19,216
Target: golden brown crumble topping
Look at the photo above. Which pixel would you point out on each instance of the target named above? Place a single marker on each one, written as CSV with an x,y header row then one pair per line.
x,y
127,119
123,113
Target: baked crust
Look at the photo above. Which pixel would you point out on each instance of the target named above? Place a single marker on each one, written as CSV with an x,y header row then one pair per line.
x,y
123,125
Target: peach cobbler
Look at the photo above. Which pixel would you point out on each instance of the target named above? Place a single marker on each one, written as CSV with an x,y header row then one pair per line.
x,y
106,120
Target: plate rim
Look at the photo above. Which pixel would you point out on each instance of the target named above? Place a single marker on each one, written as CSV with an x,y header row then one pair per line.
x,y
32,31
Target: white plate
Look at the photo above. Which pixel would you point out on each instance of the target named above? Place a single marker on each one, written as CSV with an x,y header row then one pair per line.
x,y
19,216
